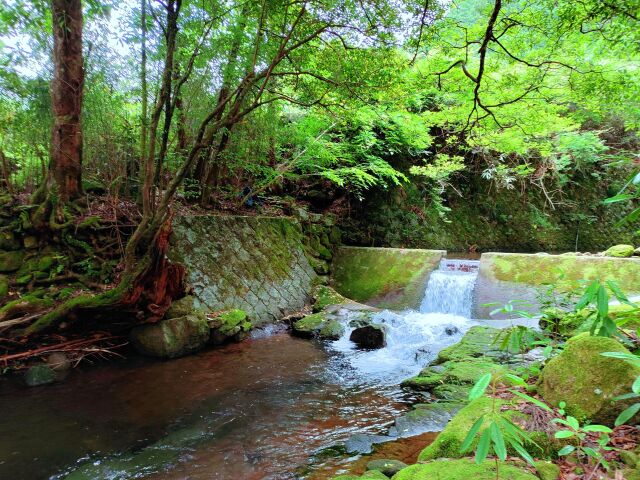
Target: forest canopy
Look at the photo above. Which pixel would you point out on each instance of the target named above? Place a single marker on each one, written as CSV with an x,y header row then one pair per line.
x,y
518,90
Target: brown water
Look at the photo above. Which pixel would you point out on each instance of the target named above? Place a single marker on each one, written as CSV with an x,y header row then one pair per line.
x,y
256,410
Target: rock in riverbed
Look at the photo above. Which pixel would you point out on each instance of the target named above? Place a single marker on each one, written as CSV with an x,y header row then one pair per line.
x,y
369,336
172,338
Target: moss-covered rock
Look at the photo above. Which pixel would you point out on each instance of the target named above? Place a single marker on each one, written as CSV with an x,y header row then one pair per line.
x,y
320,325
463,469
11,261
4,286
587,381
619,251
386,466
172,338
479,341
547,470
39,375
8,241
181,307
462,372
370,475
230,325
38,264
426,417
447,443
324,296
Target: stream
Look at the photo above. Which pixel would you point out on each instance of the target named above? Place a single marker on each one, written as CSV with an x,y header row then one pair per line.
x,y
266,408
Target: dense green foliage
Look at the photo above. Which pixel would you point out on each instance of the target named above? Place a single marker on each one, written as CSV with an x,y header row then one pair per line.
x,y
537,103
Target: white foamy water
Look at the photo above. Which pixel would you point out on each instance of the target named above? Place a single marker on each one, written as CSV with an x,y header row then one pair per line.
x,y
414,338
450,288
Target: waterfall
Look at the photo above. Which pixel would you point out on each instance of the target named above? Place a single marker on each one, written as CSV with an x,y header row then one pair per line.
x,y
413,338
450,288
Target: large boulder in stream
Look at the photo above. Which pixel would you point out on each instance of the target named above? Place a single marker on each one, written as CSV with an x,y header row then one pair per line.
x,y
369,336
172,338
620,251
587,381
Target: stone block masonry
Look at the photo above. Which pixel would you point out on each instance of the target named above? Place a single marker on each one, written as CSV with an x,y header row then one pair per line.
x,y
256,264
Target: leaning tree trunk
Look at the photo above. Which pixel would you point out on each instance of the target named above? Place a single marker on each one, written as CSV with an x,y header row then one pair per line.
x,y
66,99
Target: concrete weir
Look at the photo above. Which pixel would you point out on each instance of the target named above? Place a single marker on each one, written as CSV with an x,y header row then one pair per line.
x,y
396,278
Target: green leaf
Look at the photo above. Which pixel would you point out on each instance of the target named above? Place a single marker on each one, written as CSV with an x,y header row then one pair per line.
x,y
563,434
629,357
480,387
522,452
566,450
618,198
588,296
618,293
573,423
627,414
603,302
498,441
483,446
591,452
535,401
516,380
597,428
466,444
636,386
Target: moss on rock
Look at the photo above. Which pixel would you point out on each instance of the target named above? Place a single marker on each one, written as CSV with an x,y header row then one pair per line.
x,y
324,296
230,325
318,325
370,475
619,251
547,470
4,286
180,308
447,443
587,381
479,341
463,469
464,372
11,261
172,338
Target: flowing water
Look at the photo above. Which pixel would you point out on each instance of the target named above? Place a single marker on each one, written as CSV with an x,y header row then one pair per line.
x,y
264,409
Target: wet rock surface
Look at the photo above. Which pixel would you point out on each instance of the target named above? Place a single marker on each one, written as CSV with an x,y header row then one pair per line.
x,y
369,336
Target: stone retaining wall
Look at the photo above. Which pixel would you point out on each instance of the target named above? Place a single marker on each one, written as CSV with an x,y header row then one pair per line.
x,y
392,278
257,264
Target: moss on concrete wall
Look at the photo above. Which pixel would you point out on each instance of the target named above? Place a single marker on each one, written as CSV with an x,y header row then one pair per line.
x,y
257,264
384,277
514,276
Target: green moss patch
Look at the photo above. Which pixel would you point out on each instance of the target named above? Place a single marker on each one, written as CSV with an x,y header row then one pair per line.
x,y
587,381
463,469
563,270
385,277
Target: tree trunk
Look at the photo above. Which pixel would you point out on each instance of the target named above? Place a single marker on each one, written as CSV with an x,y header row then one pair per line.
x,y
66,99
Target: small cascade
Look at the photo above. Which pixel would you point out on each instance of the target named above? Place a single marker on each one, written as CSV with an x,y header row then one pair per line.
x,y
414,338
450,288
